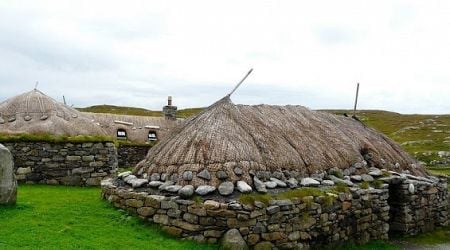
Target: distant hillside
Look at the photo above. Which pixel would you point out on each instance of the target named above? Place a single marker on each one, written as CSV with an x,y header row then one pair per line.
x,y
183,113
423,136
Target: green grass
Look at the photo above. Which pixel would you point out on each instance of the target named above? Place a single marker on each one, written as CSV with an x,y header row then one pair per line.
x,y
252,197
340,188
440,170
289,194
58,217
364,185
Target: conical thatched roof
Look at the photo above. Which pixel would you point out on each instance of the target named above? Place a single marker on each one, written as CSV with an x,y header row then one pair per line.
x,y
268,138
35,112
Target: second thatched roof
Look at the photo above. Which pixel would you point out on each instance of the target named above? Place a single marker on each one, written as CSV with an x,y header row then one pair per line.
x,y
34,112
291,139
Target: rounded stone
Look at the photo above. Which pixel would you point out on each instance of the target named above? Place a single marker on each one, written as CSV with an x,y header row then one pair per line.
x,y
204,189
279,182
238,171
155,184
204,174
187,175
155,177
172,188
270,184
232,240
411,188
243,187
259,185
186,191
309,182
292,182
221,175
8,183
226,188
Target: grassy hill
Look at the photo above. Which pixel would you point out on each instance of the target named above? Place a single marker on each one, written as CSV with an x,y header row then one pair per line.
x,y
183,113
423,136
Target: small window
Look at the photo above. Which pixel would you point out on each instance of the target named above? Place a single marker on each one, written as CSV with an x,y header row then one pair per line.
x,y
152,136
121,134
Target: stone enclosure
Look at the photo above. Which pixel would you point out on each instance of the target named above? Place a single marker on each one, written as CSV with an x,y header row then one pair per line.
x,y
71,163
79,164
401,203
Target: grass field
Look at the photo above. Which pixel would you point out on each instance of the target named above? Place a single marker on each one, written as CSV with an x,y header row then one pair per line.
x,y
58,217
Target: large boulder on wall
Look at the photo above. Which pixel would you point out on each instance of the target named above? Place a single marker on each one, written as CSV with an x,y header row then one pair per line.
x,y
8,183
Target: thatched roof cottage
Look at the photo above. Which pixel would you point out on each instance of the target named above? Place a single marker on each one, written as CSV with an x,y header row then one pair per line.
x,y
34,112
228,142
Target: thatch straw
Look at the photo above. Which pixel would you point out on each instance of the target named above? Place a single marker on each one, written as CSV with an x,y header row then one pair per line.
x,y
268,138
34,112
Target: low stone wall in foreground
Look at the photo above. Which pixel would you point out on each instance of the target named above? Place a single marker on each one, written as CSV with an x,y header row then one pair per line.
x,y
401,204
360,215
77,164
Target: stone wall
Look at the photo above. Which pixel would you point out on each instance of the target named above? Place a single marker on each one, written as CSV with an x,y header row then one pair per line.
x,y
418,205
360,215
76,164
130,155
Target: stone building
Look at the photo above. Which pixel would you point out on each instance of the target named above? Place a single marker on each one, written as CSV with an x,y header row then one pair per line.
x,y
323,179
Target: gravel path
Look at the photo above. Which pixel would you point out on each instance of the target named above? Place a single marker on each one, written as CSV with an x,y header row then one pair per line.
x,y
410,246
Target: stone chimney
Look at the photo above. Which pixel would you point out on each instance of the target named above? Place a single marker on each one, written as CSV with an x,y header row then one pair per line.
x,y
170,112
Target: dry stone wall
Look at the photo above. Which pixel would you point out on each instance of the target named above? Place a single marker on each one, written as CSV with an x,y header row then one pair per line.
x,y
75,164
417,205
130,155
360,215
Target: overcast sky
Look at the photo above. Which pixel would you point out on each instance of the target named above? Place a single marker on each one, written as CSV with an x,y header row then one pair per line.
x,y
311,53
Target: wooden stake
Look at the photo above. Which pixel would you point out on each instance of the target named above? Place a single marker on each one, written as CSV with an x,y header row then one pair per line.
x,y
239,84
356,99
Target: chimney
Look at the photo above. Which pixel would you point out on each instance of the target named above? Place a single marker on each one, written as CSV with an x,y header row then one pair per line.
x,y
169,111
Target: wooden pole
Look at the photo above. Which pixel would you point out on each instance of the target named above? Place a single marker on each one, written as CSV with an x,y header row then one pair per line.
x,y
64,99
239,84
356,99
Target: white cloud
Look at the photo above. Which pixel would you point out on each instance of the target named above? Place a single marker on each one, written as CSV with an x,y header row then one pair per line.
x,y
308,53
